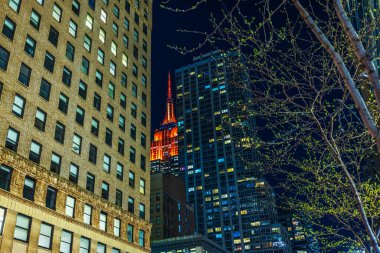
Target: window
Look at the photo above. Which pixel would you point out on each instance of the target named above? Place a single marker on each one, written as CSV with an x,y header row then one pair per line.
x,y
100,56
59,134
116,226
103,221
102,35
125,41
2,218
131,205
135,35
70,51
55,163
79,117
57,12
90,182
120,146
15,5
40,120
106,163
123,100
114,250
85,67
133,131
111,90
66,76
101,248
143,140
143,162
70,206
93,153
95,127
145,46
108,139
46,235
135,52
18,106
143,118
99,78
73,173
82,92
77,144
30,46
73,28
91,3
144,62
134,90
124,60
12,139
29,188
112,68
24,74
142,186
116,11
143,99
103,16
45,89
41,2
135,70
87,214
35,152
66,242
119,171
132,154
89,21
75,6
97,101
145,29
49,62
137,4
53,36
141,238
122,122
142,211
110,112
5,181
124,79
63,103
9,28
127,7
35,19
4,58
115,29
22,228
131,177
84,246
137,18
130,233
133,110
113,48
87,43
51,197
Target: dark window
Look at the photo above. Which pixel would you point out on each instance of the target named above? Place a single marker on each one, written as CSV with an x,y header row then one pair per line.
x,y
9,28
127,7
122,122
87,43
110,112
145,46
145,29
133,131
134,110
105,190
55,164
53,36
119,198
35,152
125,41
99,78
134,90
93,153
66,76
135,70
24,75
137,18
75,7
49,62
35,19
143,162
4,58
63,103
5,177
95,127
142,211
79,116
123,100
90,182
131,205
120,146
97,101
108,139
116,11
124,79
29,188
132,154
115,29
131,179
91,3
40,120
74,172
143,140
85,66
143,98
51,196
45,89
135,52
59,134
82,89
70,51
12,139
30,46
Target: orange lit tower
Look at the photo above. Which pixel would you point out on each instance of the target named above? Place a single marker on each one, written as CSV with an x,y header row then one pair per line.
x,y
164,147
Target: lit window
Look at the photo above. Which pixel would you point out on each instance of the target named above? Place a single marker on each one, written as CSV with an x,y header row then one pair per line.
x,y
18,106
46,235
70,206
103,16
22,228
89,21
100,56
113,48
77,143
116,227
73,28
106,163
142,186
15,5
124,60
103,221
112,68
66,241
84,246
102,35
2,218
57,12
87,214
141,238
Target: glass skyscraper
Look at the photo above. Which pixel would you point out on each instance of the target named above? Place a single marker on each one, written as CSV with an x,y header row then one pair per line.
x,y
232,205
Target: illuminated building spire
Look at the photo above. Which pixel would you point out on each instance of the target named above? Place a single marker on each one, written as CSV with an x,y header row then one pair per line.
x,y
169,115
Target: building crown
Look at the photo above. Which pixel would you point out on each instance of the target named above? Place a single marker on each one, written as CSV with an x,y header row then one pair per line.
x,y
169,115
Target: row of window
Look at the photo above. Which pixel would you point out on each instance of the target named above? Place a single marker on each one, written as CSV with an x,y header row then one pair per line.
x,y
45,238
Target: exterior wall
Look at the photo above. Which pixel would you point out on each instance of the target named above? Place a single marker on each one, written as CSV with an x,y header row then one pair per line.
x,y
13,201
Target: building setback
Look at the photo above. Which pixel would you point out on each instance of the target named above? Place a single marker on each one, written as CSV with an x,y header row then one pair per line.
x,y
232,207
74,126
